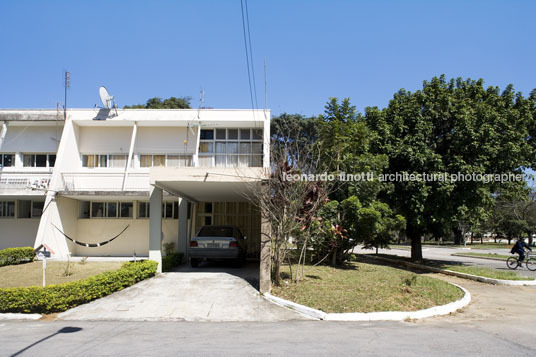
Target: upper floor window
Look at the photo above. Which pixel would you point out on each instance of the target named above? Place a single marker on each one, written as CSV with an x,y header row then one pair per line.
x,y
104,160
38,160
231,148
7,209
172,160
7,160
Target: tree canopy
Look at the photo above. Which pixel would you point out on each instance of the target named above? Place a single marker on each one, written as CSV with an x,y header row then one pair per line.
x,y
158,103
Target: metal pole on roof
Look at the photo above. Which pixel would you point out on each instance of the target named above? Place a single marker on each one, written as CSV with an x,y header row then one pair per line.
x,y
67,85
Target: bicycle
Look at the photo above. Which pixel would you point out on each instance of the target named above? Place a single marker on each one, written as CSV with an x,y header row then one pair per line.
x,y
514,263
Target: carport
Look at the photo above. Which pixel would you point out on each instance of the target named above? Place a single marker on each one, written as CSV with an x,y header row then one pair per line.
x,y
211,196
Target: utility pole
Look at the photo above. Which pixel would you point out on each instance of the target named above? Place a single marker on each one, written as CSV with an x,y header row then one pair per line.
x,y
67,85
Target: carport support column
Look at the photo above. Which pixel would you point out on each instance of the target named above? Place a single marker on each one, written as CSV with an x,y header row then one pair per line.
x,y
183,227
155,227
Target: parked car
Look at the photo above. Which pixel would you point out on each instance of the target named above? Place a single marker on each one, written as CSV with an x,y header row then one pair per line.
x,y
218,243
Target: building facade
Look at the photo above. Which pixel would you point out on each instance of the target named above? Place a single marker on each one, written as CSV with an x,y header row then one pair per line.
x,y
145,179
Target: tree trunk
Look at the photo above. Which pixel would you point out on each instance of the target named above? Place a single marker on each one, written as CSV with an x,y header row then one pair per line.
x,y
416,246
458,236
471,237
531,240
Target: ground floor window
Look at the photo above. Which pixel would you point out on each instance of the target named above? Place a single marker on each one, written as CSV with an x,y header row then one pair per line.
x,y
96,209
170,210
30,209
7,209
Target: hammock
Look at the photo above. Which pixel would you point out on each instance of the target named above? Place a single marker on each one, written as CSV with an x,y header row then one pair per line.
x,y
90,245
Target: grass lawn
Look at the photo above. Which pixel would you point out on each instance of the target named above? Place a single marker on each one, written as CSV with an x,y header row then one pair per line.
x,y
485,255
361,287
31,274
487,272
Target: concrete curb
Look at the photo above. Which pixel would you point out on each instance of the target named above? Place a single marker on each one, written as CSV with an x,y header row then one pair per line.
x,y
455,273
302,309
376,316
14,316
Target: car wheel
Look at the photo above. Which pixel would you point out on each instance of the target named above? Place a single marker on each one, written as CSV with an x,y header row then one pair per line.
x,y
195,262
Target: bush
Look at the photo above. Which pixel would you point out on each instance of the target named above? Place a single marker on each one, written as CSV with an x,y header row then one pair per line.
x,y
172,260
13,256
61,297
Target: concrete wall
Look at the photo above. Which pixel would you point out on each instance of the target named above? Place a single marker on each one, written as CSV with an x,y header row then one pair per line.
x,y
158,140
104,140
18,232
134,239
32,139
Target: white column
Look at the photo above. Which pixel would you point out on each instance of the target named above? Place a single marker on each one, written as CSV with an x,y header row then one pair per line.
x,y
3,133
183,227
130,153
155,226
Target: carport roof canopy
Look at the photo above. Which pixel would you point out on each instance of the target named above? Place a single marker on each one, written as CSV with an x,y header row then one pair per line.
x,y
196,191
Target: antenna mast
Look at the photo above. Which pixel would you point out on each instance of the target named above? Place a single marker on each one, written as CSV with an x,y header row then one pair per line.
x,y
67,85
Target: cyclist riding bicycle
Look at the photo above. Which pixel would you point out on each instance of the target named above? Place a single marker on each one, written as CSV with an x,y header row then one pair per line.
x,y
519,249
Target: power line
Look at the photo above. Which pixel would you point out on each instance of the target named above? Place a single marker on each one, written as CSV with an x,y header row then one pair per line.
x,y
251,56
247,53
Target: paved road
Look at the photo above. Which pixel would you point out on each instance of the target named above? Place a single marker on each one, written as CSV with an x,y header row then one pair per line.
x,y
304,338
445,254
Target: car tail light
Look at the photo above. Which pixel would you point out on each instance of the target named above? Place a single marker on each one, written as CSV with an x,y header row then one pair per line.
x,y
233,244
193,243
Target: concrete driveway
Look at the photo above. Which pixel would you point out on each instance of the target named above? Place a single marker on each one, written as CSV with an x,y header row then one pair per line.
x,y
207,293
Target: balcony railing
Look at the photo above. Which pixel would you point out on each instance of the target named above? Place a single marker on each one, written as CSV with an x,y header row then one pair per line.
x,y
19,180
105,181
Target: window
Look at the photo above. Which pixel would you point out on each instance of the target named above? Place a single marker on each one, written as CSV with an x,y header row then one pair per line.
x,y
29,209
170,160
106,209
38,160
104,160
170,210
37,209
84,209
7,160
143,209
231,148
7,209
126,209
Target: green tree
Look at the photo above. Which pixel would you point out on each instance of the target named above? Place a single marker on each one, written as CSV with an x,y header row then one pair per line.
x,y
158,103
454,127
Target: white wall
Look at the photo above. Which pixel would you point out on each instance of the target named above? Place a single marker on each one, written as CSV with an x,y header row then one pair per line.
x,y
104,140
18,232
134,239
158,140
32,139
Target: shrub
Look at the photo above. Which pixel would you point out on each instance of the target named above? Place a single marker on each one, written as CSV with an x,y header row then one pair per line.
x,y
61,297
13,256
171,260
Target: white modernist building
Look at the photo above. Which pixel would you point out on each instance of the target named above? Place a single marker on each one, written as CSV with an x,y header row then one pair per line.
x,y
150,178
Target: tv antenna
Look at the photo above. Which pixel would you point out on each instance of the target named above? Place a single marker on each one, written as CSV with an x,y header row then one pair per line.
x,y
107,100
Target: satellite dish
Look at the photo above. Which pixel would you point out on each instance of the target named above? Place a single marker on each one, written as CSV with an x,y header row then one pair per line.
x,y
106,98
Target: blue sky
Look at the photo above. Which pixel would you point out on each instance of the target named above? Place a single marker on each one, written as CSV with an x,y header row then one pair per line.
x,y
364,50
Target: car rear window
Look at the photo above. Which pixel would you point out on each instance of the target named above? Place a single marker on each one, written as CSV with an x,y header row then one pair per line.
x,y
214,231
